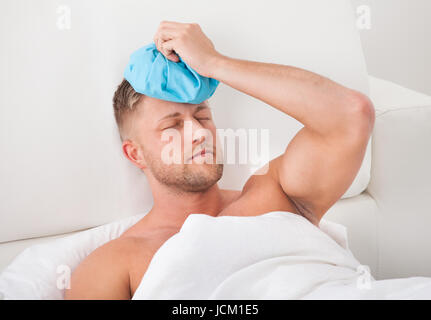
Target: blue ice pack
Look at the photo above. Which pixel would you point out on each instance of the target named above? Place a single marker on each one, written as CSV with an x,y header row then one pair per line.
x,y
150,73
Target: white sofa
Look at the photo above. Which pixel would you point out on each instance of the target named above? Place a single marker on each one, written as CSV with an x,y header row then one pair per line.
x,y
389,222
62,170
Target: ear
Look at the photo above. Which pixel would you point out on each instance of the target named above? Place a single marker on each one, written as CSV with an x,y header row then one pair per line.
x,y
134,153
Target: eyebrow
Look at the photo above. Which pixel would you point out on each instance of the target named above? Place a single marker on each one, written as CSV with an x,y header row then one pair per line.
x,y
176,114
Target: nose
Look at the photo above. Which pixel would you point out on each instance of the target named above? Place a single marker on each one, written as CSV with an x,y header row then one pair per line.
x,y
199,132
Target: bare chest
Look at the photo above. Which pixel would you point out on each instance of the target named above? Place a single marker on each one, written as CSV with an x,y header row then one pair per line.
x,y
143,253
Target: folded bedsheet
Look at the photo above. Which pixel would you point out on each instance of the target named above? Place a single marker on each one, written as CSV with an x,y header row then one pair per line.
x,y
278,255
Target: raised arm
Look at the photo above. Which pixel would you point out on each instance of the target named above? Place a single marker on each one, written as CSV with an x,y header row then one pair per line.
x,y
322,160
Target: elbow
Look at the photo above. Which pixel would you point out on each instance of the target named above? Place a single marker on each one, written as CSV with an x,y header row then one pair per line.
x,y
362,118
365,109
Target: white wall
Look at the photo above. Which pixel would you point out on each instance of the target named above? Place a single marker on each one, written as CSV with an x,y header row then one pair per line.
x,y
397,47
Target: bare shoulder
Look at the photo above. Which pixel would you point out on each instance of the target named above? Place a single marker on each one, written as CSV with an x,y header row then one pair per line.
x,y
231,195
104,273
261,193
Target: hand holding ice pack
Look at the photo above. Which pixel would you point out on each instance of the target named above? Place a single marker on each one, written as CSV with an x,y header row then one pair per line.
x,y
150,73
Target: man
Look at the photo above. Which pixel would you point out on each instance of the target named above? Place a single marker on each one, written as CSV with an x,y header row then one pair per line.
x,y
316,169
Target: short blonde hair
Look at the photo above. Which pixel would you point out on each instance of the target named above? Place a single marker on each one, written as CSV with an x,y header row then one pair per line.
x,y
124,101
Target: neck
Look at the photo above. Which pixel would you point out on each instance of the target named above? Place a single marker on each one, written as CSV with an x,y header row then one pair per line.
x,y
172,208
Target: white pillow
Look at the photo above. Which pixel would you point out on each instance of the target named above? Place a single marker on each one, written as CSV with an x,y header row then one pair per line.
x,y
41,271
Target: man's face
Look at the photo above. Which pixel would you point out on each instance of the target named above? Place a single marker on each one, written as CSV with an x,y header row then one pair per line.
x,y
170,137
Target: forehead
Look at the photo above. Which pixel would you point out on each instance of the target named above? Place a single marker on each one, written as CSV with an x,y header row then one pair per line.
x,y
156,109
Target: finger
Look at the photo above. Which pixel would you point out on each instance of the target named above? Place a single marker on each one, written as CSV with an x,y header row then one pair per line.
x,y
172,24
168,30
167,33
164,34
159,44
169,51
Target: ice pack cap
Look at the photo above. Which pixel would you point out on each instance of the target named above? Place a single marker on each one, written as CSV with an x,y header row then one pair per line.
x,y
150,73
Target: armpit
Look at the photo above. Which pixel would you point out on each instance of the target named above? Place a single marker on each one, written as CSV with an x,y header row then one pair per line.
x,y
305,212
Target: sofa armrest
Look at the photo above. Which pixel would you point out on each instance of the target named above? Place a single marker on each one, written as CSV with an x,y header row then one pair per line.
x,y
401,179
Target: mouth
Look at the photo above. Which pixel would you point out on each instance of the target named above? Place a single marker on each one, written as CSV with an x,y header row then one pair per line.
x,y
201,153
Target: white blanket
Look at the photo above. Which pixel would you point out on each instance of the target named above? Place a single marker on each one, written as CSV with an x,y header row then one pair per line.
x,y
278,255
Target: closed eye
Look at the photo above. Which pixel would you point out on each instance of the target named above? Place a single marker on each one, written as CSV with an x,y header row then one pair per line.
x,y
172,126
178,123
